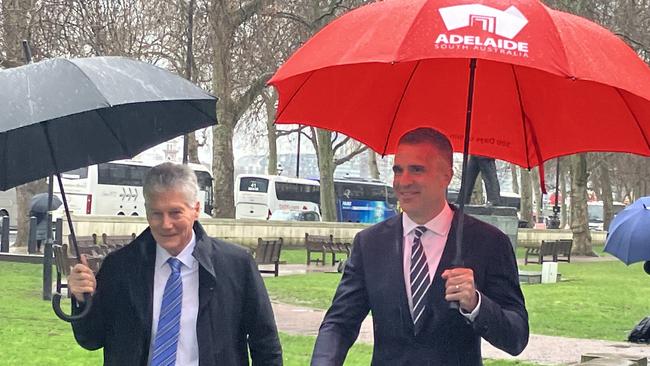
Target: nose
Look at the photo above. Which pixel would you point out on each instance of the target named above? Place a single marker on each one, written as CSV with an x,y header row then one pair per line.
x,y
166,222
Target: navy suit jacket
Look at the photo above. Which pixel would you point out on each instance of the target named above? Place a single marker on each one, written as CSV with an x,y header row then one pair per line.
x,y
373,281
234,313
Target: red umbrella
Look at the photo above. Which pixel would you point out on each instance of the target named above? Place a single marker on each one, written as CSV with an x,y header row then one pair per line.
x,y
530,82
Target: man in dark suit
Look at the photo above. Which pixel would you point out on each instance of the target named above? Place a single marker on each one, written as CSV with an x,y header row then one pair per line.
x,y
175,295
400,270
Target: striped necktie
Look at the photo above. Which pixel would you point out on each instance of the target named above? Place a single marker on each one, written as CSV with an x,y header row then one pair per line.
x,y
164,350
420,281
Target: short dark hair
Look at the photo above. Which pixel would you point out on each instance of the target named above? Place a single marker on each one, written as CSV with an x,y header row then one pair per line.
x,y
431,136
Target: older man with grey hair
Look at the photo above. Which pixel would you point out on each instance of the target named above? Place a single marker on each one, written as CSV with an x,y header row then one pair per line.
x,y
175,296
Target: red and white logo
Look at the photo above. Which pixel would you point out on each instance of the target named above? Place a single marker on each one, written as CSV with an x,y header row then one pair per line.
x,y
502,23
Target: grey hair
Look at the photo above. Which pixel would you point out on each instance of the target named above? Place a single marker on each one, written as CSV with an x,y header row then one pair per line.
x,y
168,176
431,136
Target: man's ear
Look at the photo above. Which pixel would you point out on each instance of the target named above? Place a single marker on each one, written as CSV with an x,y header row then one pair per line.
x,y
197,208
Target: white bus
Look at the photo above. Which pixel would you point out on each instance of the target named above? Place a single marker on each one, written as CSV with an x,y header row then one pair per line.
x,y
115,188
258,196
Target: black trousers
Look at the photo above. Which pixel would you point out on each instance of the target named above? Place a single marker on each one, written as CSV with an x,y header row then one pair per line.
x,y
488,169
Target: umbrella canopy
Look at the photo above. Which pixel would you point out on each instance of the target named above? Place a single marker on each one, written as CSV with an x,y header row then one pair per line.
x,y
629,233
547,83
39,201
91,110
61,114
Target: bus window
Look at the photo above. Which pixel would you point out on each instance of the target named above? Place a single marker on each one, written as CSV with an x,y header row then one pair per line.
x,y
297,192
121,174
254,184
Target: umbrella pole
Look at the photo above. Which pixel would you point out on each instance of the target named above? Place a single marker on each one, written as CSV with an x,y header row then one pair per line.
x,y
56,298
458,258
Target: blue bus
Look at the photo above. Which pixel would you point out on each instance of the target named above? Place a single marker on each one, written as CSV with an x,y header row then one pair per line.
x,y
364,200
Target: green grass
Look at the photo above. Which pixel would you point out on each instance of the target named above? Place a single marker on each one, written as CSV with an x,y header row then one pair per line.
x,y
294,256
602,300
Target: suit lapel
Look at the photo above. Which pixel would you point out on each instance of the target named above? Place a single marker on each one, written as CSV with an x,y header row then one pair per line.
x,y
141,284
396,270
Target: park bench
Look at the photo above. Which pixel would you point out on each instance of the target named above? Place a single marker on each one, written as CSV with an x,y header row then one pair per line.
x,y
64,263
319,244
563,249
558,250
117,241
537,254
339,247
95,252
268,252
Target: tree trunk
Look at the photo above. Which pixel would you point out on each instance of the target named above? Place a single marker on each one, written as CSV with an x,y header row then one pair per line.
x,y
537,194
526,197
515,181
223,169
326,168
579,217
271,135
372,164
606,188
564,208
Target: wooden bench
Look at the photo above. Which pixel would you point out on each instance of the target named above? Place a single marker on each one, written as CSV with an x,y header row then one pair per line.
x,y
537,253
558,250
319,244
268,252
95,252
117,241
64,263
563,249
338,247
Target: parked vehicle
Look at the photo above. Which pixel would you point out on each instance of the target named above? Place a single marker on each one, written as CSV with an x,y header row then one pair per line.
x,y
289,215
596,214
257,196
357,200
115,188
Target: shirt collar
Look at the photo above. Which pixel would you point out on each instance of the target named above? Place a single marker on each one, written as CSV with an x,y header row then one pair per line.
x,y
185,256
438,225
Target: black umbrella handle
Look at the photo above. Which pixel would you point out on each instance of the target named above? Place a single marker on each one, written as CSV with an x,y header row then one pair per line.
x,y
56,306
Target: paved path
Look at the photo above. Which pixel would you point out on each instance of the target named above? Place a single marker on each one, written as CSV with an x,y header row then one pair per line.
x,y
541,349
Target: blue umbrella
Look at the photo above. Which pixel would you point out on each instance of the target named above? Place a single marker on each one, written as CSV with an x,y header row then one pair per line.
x,y
629,233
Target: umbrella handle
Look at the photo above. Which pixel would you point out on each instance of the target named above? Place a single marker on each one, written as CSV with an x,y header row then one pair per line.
x,y
56,306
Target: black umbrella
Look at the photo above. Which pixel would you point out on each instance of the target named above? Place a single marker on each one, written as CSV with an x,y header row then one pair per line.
x,y
39,203
60,114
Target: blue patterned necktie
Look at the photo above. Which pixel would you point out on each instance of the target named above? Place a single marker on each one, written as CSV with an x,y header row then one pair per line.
x,y
419,278
164,350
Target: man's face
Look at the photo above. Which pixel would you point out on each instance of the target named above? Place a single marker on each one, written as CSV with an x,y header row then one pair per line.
x,y
171,219
421,179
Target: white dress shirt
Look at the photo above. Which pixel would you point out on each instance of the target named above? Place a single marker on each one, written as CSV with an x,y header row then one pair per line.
x,y
187,352
433,242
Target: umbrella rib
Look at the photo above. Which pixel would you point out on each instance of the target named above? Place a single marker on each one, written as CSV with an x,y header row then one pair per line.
x,y
399,105
113,133
191,103
523,114
91,82
636,120
293,96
